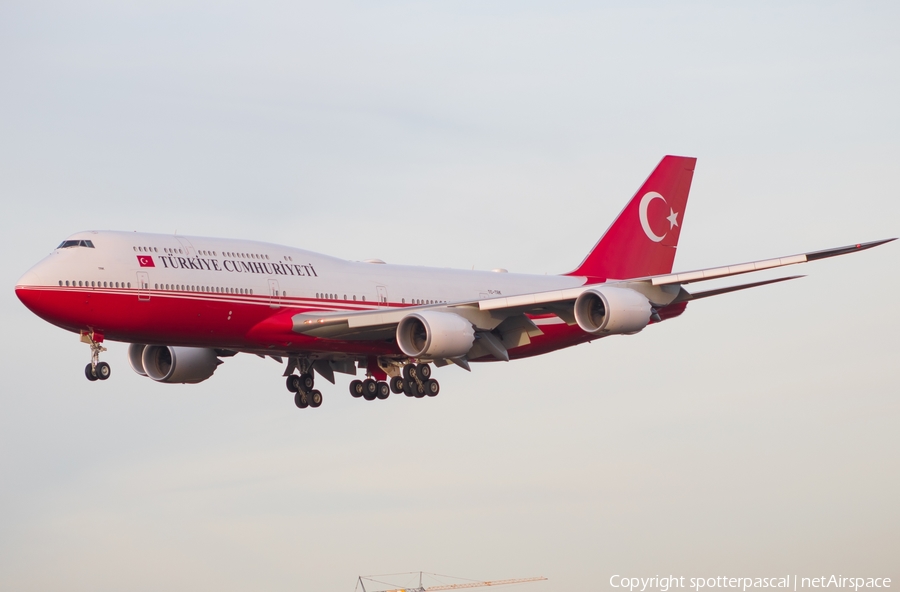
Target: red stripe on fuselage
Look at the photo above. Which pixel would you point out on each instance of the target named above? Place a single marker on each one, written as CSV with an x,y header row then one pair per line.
x,y
230,321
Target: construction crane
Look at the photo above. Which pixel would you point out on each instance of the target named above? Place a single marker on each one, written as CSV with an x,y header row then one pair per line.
x,y
421,588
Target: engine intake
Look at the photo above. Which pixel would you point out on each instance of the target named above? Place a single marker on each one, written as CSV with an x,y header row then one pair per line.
x,y
173,364
435,334
612,311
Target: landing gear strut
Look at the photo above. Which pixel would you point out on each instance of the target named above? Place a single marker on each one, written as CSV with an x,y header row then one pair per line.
x,y
96,370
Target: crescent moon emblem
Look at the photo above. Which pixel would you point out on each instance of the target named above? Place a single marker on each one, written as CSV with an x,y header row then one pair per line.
x,y
645,224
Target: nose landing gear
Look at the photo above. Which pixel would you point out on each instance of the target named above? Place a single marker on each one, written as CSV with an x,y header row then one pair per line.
x,y
96,370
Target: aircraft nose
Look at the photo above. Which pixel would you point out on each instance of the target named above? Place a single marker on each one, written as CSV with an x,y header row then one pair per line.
x,y
31,278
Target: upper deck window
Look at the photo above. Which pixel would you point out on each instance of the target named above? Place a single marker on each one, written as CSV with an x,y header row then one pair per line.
x,y
75,243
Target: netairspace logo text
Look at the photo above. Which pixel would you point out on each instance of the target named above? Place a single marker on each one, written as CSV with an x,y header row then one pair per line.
x,y
666,583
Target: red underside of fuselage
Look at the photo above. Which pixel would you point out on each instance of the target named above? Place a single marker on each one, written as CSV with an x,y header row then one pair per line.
x,y
230,321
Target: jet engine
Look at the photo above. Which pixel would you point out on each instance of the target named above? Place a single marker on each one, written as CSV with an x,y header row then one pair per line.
x,y
435,334
173,364
612,311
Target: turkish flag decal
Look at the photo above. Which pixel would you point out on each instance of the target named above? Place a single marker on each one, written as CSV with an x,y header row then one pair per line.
x,y
146,261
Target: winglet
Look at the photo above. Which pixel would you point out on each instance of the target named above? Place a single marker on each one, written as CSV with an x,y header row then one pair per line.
x,y
844,250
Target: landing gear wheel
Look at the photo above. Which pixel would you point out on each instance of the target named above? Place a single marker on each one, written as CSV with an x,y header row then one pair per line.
x,y
419,390
432,388
424,371
409,373
370,389
314,397
102,371
94,371
384,390
409,389
307,382
356,388
300,401
396,385
293,383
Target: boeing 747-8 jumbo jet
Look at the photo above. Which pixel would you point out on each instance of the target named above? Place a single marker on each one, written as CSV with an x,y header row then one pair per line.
x,y
183,303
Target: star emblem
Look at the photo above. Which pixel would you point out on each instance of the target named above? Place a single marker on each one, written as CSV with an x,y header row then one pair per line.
x,y
672,218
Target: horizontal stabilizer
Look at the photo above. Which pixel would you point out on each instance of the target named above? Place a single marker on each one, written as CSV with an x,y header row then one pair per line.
x,y
686,296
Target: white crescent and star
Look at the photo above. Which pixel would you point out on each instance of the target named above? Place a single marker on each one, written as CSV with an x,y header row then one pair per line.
x,y
645,224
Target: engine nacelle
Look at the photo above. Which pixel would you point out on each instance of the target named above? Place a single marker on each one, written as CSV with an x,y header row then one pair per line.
x,y
135,358
435,334
173,364
612,311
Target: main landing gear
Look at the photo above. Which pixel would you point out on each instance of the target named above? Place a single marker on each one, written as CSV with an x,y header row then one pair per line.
x,y
415,381
370,389
96,370
304,393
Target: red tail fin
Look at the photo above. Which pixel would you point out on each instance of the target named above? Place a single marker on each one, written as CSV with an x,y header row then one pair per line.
x,y
643,238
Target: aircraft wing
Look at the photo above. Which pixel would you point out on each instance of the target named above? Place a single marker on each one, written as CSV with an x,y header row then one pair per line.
x,y
488,314
720,272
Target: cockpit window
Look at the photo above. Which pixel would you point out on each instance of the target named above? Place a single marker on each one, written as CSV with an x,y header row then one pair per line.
x,y
75,243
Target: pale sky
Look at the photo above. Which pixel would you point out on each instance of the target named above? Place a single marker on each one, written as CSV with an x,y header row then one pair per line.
x,y
755,435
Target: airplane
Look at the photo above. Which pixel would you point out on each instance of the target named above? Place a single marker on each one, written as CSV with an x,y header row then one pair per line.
x,y
184,303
